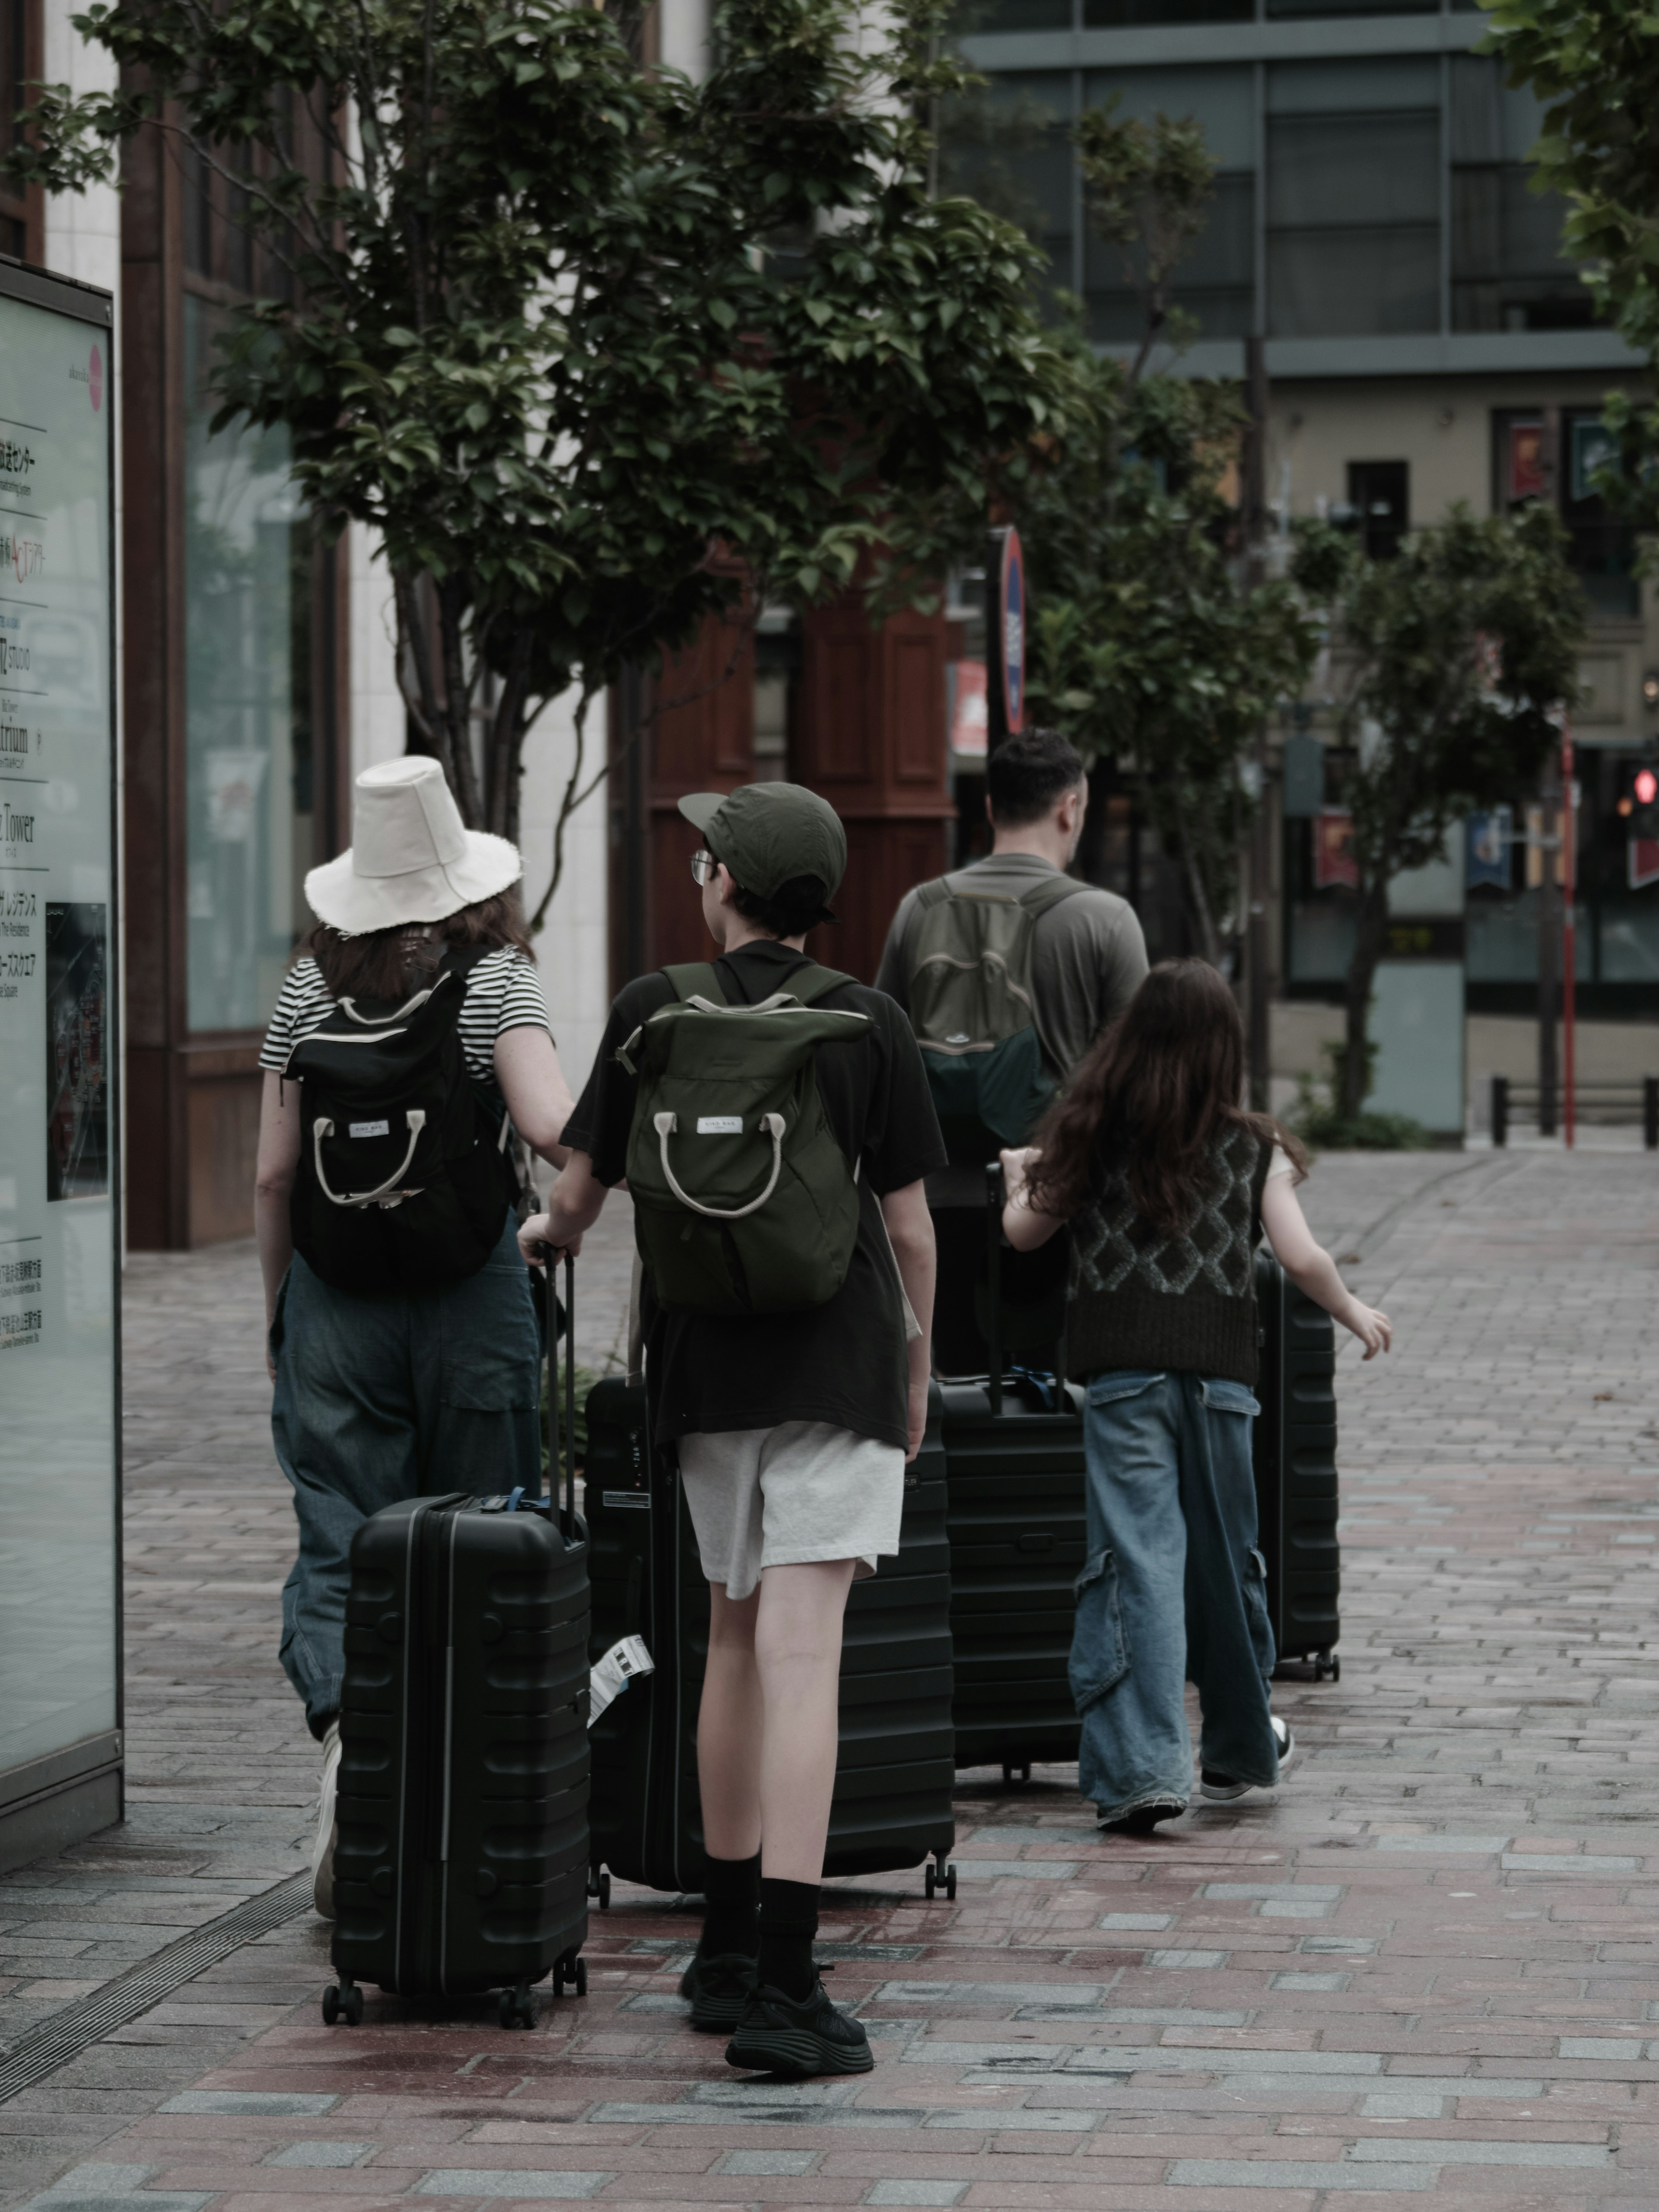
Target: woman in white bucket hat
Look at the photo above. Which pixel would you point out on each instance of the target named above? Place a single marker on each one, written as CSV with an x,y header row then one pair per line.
x,y
380,1390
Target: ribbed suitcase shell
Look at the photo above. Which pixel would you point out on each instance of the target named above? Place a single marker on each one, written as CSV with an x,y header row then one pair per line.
x,y
461,1863
1016,1521
1295,1452
891,1807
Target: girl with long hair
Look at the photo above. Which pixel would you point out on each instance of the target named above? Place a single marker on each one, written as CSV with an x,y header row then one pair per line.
x,y
1168,1183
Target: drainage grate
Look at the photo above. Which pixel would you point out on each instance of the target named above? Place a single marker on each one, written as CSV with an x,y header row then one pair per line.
x,y
67,2033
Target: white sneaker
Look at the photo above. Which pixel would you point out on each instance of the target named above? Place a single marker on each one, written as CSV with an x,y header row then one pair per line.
x,y
322,1849
1222,1788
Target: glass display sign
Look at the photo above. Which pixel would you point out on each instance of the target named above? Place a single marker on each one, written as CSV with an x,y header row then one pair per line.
x,y
60,1678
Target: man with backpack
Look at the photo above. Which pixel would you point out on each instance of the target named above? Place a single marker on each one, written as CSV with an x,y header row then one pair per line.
x,y
773,1124
1009,970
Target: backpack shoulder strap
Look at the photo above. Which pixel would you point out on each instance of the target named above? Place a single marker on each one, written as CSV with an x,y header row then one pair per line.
x,y
1049,893
811,983
696,979
934,894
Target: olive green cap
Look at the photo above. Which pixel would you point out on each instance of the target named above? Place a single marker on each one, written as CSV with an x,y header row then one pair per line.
x,y
769,833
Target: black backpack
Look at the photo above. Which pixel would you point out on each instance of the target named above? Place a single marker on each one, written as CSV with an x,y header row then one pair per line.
x,y
404,1176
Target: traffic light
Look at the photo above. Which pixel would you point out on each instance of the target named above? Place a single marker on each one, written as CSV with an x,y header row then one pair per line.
x,y
1640,803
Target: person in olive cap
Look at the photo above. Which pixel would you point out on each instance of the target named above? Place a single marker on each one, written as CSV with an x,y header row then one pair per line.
x,y
793,1429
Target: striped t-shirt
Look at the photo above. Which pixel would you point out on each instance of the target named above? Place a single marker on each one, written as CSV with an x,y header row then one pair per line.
x,y
503,992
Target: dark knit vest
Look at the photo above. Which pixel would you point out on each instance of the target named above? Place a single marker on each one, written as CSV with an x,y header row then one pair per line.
x,y
1144,1302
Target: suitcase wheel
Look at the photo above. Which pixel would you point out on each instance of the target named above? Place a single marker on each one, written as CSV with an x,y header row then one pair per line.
x,y
518,2007
939,1877
599,1885
572,1970
344,2003
1327,1667
1012,1774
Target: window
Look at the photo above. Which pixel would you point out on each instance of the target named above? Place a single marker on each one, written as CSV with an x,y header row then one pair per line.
x,y
249,767
1553,454
979,16
1378,494
1115,14
1353,198
1216,283
17,68
1009,146
1509,272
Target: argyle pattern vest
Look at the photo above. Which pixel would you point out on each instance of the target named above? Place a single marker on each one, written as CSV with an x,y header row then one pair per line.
x,y
1143,1301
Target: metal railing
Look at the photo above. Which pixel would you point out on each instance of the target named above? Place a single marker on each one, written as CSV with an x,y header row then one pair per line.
x,y
1609,1105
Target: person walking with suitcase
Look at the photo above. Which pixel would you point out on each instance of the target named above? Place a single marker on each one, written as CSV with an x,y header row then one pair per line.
x,y
401,1336
1008,970
773,1124
1168,1183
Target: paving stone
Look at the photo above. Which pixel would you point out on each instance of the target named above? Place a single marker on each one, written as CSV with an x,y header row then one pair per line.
x,y
1467,1818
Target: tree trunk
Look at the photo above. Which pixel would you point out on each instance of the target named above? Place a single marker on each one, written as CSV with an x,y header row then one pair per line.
x,y
1369,941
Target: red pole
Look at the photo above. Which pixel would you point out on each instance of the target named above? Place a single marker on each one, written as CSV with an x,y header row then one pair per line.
x,y
1569,929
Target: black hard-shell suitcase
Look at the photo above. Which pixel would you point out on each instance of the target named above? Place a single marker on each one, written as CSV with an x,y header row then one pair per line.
x,y
461,1862
1014,1475
1295,1451
895,1770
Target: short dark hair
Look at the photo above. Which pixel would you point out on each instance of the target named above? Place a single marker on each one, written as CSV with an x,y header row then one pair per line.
x,y
1026,776
793,908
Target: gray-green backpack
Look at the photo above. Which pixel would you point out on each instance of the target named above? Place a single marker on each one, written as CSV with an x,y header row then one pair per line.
x,y
744,1202
970,1007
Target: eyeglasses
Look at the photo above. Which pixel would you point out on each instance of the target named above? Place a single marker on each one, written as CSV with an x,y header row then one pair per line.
x,y
703,866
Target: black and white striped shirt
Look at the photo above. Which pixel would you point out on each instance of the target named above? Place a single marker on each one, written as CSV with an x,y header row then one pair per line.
x,y
503,992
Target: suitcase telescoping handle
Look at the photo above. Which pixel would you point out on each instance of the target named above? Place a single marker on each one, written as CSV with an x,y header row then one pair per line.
x,y
993,1204
563,1437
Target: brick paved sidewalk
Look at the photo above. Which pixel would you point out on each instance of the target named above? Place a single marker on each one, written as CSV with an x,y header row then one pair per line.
x,y
1426,1969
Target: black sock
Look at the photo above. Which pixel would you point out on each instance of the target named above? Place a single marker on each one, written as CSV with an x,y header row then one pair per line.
x,y
788,1922
732,1889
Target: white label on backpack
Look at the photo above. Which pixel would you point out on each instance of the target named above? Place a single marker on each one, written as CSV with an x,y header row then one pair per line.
x,y
963,1039
369,1128
720,1124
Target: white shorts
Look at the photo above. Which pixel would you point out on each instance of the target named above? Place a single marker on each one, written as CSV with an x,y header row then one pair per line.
x,y
780,1497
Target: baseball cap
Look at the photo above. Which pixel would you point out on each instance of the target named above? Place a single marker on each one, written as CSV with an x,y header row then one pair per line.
x,y
772,834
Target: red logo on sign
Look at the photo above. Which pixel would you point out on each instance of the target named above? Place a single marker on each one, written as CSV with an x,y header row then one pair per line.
x,y
95,378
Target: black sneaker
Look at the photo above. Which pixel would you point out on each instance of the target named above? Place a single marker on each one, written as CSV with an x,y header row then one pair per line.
x,y
779,2034
718,1988
1223,1788
1141,1819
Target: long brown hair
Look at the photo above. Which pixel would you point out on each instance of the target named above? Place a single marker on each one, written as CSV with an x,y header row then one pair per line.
x,y
383,964
1154,1092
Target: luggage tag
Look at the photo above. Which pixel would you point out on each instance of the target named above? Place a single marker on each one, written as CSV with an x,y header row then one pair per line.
x,y
615,1671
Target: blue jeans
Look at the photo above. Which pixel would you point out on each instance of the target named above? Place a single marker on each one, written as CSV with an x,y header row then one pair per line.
x,y
381,1399
1174,1591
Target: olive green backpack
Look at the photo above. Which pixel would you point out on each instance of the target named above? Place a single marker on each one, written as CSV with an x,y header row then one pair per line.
x,y
970,1005
744,1202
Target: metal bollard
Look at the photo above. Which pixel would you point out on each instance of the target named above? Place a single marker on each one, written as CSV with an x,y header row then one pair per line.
x,y
1651,1112
1500,1109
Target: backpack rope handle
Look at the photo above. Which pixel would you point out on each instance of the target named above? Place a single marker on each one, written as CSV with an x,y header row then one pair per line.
x,y
321,1127
667,1125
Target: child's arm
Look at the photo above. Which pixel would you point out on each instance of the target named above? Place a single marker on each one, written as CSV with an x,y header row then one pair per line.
x,y
1022,1224
1312,1269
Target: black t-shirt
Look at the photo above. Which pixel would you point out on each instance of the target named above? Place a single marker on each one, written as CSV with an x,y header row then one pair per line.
x,y
844,1362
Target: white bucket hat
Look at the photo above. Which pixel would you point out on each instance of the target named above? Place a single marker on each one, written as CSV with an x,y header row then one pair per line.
x,y
411,859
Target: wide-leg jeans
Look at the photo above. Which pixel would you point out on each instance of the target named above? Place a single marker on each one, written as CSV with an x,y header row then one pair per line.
x,y
1174,1591
382,1399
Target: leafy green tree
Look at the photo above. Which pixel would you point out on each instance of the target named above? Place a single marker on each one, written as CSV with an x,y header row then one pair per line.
x,y
593,349
1452,660
1147,647
1595,65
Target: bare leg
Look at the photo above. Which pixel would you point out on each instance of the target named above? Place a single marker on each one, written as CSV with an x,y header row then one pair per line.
x,y
796,1654
729,1729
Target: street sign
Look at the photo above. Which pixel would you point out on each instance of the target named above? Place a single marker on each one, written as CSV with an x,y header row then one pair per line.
x,y
60,1680
1491,836
1004,635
